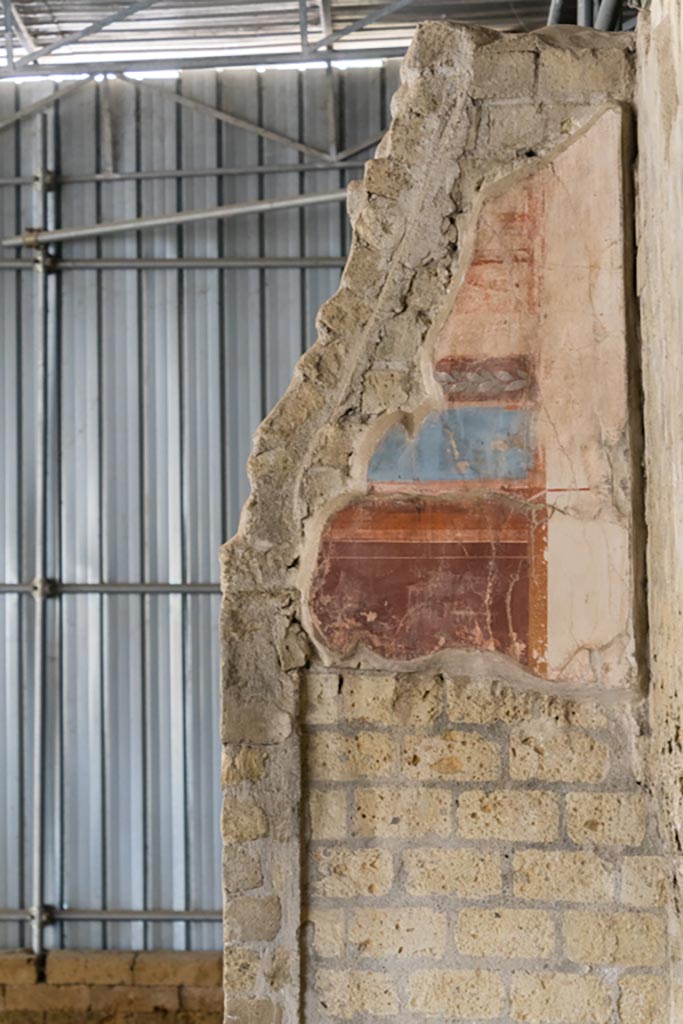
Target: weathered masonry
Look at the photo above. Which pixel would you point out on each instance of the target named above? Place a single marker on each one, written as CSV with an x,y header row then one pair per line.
x,y
435,726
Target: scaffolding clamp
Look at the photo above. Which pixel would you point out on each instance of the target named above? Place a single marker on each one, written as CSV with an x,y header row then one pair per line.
x,y
42,588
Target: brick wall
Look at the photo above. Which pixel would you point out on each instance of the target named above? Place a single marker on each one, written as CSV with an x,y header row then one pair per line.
x,y
112,987
477,853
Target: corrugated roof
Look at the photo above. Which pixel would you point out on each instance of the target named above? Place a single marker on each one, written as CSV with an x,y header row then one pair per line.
x,y
219,30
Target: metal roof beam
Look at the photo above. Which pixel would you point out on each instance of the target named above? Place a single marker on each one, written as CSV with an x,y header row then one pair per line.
x,y
23,34
303,23
360,23
231,119
9,45
89,30
241,60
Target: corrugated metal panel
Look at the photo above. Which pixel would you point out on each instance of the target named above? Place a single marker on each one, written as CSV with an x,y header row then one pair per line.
x,y
161,378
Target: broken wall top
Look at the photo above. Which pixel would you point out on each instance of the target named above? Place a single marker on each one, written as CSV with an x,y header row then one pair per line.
x,y
469,387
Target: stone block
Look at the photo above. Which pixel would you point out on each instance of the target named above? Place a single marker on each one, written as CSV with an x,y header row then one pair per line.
x,y
505,932
344,994
334,757
606,819
408,813
418,700
208,1000
487,701
18,967
23,1017
584,74
369,699
241,870
328,810
252,919
562,876
478,995
243,820
644,881
166,967
321,699
240,969
391,931
536,998
462,756
345,873
623,939
47,997
328,931
557,755
458,872
521,815
134,999
76,967
643,999
504,75
246,765
184,1017
252,1011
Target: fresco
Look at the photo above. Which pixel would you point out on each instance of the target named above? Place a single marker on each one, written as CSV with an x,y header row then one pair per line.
x,y
448,548
490,525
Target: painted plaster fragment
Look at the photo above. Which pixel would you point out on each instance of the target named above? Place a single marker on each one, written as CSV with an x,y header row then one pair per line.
x,y
497,524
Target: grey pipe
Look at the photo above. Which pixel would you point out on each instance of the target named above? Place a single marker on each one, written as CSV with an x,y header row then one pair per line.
x,y
555,12
607,14
43,323
185,263
584,13
31,239
57,914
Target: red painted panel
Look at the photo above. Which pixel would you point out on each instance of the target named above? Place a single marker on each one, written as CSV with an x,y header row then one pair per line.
x,y
407,577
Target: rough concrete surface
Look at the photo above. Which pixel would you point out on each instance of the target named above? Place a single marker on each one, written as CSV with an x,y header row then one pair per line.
x,y
659,102
406,831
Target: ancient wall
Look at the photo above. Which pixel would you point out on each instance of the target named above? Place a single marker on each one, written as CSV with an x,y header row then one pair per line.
x,y
433,624
660,287
110,987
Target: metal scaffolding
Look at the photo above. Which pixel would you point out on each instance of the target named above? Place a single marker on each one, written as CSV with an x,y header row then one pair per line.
x,y
153,35
282,159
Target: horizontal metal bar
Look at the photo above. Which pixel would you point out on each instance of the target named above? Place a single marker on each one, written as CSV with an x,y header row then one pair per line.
x,y
187,263
52,914
58,587
137,915
242,60
31,239
341,164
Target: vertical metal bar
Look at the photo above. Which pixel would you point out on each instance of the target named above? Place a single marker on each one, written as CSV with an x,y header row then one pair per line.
x,y
44,312
555,12
584,13
182,539
103,141
9,43
303,24
608,14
